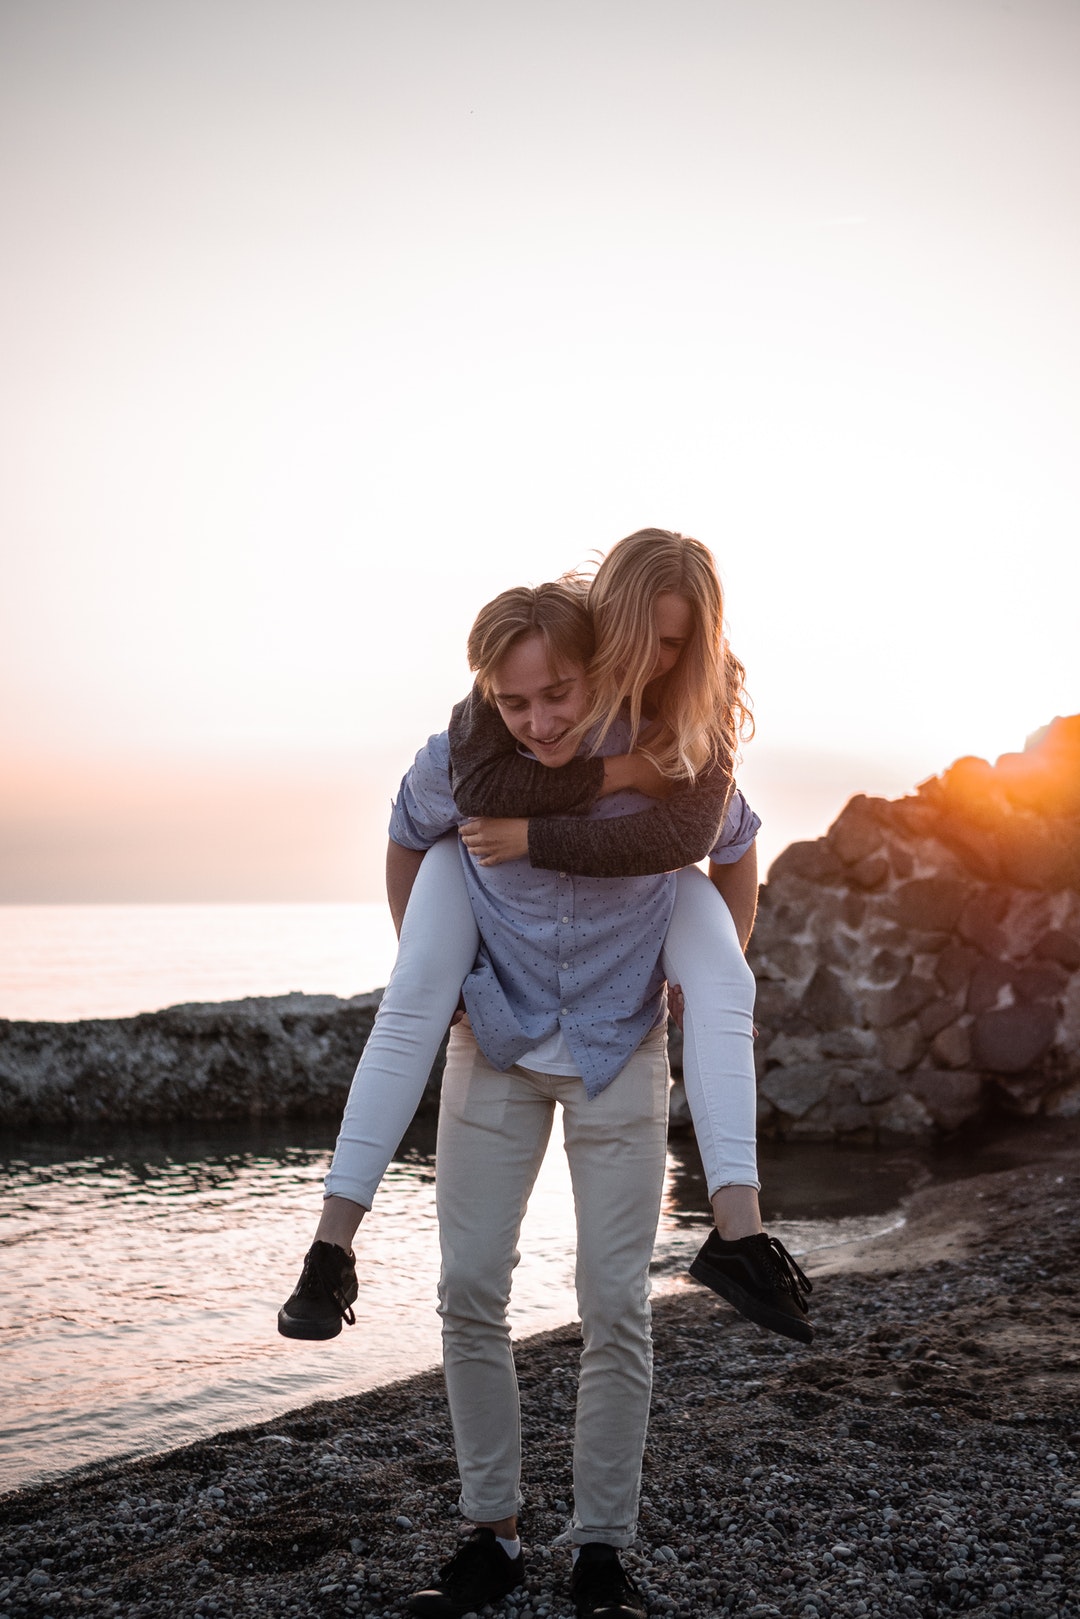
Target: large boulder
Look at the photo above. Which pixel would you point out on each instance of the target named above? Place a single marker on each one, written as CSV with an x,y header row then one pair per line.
x,y
942,931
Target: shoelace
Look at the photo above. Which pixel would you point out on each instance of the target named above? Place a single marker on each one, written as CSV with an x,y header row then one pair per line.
x,y
791,1278
317,1278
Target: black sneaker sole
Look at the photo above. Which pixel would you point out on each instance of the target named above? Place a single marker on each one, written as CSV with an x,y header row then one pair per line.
x,y
752,1307
290,1327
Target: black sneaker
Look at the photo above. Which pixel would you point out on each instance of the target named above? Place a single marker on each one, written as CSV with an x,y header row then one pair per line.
x,y
322,1297
759,1277
601,1587
478,1573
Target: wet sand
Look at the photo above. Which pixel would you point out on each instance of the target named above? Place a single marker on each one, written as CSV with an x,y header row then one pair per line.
x,y
920,1458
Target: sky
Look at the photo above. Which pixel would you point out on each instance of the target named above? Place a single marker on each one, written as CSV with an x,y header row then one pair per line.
x,y
323,321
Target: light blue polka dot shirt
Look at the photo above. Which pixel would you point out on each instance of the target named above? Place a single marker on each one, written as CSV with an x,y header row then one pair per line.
x,y
576,954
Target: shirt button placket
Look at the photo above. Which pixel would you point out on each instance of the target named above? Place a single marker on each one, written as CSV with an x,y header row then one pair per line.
x,y
564,966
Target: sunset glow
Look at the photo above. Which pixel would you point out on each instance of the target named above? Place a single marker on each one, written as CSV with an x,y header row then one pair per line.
x,y
324,323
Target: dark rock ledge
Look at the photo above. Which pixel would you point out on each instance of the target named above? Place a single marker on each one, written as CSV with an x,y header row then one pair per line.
x,y
267,1057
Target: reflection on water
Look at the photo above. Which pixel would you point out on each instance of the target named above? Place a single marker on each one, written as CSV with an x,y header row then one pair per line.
x,y
142,1277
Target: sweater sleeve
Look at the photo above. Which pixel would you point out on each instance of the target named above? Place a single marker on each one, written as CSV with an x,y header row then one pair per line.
x,y
679,831
488,776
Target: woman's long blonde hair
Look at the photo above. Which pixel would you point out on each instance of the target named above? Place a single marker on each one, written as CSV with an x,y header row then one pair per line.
x,y
699,710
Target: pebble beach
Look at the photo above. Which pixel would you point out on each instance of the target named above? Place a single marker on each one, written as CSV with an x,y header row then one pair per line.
x,y
919,1458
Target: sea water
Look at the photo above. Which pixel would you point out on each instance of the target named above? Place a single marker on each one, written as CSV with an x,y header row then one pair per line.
x,y
86,961
143,1272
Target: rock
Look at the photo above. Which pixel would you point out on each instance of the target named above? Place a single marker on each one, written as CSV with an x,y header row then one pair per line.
x,y
884,1007
887,967
904,1115
846,1043
930,904
852,910
856,833
1069,1027
915,817
1043,982
978,923
1029,916
951,1047
987,982
937,1015
813,862
1020,1093
1063,1102
1039,856
795,1090
1060,947
979,847
774,1003
955,966
901,1047
786,960
1012,1039
874,1085
826,1003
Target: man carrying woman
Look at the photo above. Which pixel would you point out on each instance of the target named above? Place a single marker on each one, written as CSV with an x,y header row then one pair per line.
x,y
563,985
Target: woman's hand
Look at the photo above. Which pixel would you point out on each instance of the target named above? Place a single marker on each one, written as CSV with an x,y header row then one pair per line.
x,y
675,1004
491,840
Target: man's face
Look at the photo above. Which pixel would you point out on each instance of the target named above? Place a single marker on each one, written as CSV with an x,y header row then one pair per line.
x,y
540,703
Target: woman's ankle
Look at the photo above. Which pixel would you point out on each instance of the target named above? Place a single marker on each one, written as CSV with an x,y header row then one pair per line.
x,y
339,1222
736,1212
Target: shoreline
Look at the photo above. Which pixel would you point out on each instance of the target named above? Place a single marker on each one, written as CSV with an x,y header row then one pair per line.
x,y
918,1458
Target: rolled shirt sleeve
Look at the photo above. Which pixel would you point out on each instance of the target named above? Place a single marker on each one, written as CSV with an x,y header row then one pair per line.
x,y
739,831
424,809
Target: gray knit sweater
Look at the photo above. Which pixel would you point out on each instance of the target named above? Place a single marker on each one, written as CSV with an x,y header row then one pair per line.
x,y
488,776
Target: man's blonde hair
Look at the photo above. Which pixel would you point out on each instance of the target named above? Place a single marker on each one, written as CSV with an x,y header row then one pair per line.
x,y
554,611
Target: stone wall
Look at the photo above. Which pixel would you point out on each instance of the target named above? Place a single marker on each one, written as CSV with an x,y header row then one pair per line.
x,y
267,1057
920,964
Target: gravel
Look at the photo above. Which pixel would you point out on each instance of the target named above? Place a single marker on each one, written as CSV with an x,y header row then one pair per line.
x,y
920,1458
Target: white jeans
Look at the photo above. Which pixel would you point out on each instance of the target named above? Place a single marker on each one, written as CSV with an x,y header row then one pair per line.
x,y
439,941
438,945
703,955
493,1130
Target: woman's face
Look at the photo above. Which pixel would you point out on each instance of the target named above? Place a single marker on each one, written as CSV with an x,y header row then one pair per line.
x,y
540,704
673,620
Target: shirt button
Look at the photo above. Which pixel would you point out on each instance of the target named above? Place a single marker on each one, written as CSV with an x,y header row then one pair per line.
x,y
562,874
566,919
564,1012
563,965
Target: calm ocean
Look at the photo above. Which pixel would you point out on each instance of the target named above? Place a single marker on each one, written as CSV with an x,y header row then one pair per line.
x,y
81,961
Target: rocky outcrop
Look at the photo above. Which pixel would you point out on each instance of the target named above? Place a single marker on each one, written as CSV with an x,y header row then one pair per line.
x,y
920,964
268,1057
